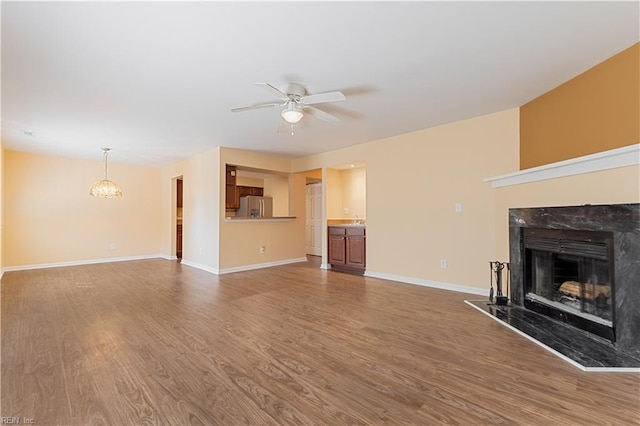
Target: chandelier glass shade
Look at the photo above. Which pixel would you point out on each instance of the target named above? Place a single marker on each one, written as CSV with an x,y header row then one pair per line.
x,y
292,113
105,188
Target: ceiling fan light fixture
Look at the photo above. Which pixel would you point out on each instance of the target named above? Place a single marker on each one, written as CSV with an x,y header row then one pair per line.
x,y
292,113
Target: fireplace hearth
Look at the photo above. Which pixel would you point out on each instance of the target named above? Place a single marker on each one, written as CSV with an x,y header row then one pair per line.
x,y
580,265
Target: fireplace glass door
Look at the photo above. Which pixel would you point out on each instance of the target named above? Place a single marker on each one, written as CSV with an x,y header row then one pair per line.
x,y
568,275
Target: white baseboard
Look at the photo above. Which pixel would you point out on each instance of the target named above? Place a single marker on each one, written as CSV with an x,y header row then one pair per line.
x,y
80,262
428,283
196,265
326,266
261,265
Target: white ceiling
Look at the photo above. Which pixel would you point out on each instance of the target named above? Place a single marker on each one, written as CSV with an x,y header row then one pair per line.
x,y
156,81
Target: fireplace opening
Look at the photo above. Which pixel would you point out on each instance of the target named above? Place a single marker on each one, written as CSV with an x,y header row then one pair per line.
x,y
568,276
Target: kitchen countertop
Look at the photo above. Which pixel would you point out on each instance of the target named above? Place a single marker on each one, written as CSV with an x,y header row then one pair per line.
x,y
259,219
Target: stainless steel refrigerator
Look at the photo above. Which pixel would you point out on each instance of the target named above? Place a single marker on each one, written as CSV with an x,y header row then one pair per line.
x,y
255,206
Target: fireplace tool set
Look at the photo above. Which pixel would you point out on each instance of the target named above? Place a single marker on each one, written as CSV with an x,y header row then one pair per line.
x,y
496,271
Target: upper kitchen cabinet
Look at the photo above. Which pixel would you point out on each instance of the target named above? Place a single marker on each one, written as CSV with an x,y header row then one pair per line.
x,y
244,191
232,201
245,181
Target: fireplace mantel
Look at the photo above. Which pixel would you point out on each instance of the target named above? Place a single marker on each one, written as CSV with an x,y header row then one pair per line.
x,y
611,159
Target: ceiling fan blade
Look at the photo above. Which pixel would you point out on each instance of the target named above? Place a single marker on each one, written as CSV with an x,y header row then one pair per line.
x,y
274,90
257,106
323,97
324,116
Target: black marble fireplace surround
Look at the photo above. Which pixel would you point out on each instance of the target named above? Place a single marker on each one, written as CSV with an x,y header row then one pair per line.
x,y
619,221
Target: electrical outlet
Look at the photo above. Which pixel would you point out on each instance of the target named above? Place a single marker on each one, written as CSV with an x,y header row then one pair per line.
x,y
443,264
458,207
262,249
345,210
112,246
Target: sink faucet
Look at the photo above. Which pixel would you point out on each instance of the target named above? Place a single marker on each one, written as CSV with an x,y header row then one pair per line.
x,y
355,220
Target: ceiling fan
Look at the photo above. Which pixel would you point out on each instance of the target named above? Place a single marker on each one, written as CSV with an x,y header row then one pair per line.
x,y
295,100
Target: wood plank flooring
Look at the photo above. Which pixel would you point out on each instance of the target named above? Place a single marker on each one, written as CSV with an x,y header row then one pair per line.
x,y
156,342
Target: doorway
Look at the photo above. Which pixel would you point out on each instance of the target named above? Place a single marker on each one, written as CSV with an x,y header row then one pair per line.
x,y
313,219
179,203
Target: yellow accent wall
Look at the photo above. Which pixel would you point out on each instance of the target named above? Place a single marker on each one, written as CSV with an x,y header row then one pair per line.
x,y
596,111
49,216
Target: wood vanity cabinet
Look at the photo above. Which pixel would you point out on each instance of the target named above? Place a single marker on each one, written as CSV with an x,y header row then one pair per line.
x,y
347,248
337,246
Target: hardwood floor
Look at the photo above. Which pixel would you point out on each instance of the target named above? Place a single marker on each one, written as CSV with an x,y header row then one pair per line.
x,y
156,342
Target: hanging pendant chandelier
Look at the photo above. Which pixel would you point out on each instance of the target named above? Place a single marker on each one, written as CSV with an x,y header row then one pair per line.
x,y
105,188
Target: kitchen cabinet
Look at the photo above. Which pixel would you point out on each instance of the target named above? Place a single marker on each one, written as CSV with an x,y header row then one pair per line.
x,y
244,191
347,248
232,200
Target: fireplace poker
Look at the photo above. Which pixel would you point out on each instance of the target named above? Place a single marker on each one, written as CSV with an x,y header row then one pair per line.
x,y
497,267
491,281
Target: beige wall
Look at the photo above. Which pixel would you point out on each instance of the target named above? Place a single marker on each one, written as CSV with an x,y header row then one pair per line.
x,y
413,182
240,242
354,192
278,188
49,216
596,111
1,202
200,211
605,187
333,196
314,174
246,181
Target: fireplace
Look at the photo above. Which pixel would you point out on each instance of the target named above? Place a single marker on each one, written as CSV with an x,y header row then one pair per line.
x,y
567,275
580,265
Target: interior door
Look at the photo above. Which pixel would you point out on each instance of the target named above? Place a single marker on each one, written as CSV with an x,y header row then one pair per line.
x,y
313,222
